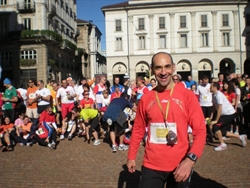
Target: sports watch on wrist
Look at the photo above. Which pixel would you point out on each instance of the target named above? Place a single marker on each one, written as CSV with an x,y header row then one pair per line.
x,y
192,157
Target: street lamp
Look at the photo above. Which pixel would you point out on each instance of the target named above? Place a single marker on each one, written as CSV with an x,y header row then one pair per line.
x,y
204,66
183,66
119,68
142,68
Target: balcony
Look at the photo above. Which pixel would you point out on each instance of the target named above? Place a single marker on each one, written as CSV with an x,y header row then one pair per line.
x,y
26,7
52,10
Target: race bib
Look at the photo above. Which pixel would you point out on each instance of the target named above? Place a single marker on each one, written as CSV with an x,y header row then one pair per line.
x,y
159,132
32,96
205,97
40,131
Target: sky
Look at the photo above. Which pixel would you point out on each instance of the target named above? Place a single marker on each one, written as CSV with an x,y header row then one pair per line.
x,y
91,10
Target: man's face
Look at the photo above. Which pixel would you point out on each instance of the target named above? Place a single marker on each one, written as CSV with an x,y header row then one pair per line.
x,y
64,83
139,82
30,83
103,80
39,85
175,79
163,68
117,80
49,110
205,81
248,81
55,87
189,78
221,77
117,89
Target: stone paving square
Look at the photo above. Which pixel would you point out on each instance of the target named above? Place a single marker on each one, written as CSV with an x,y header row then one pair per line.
x,y
78,164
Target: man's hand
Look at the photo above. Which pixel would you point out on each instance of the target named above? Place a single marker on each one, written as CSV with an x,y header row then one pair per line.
x,y
47,140
183,171
59,108
4,99
131,166
213,122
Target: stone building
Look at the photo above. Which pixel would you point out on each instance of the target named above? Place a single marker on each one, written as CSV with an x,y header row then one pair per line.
x,y
205,37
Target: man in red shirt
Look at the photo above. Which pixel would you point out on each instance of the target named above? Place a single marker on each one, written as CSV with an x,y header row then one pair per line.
x,y
142,88
167,111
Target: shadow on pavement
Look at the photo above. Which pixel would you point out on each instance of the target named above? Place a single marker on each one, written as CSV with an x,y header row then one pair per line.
x,y
200,182
132,180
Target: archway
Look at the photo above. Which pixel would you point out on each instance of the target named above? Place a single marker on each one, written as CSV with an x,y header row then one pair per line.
x,y
142,69
184,68
119,70
247,67
227,64
205,68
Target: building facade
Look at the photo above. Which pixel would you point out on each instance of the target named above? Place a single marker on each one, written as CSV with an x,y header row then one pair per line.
x,y
93,61
204,37
38,39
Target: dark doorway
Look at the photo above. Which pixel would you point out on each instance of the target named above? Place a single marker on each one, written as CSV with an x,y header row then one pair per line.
x,y
227,65
247,67
202,73
121,77
143,74
184,74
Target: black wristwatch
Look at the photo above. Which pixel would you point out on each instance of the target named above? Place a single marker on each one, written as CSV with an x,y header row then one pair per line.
x,y
192,157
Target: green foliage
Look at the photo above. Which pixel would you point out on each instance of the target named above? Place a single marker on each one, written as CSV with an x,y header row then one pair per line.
x,y
69,44
51,62
27,62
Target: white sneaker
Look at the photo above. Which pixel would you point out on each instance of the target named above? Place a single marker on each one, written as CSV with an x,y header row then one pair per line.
x,y
61,137
109,121
236,132
123,147
21,144
225,138
243,139
29,144
114,150
96,142
221,147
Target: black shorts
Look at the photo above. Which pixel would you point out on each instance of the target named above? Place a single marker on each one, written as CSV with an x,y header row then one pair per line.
x,y
94,123
207,111
115,127
224,123
41,108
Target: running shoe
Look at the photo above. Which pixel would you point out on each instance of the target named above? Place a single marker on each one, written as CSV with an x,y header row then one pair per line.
x,y
29,144
96,142
243,139
21,144
225,138
109,121
9,148
114,150
122,147
61,137
221,147
53,145
70,137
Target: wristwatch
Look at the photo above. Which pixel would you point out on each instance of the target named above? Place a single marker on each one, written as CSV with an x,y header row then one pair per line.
x,y
192,157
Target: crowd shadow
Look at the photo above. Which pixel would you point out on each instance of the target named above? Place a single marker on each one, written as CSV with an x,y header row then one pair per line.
x,y
132,180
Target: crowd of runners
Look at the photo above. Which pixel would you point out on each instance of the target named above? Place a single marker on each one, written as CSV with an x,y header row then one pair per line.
x,y
46,112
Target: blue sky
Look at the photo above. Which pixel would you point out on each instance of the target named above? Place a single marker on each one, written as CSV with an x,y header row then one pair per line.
x,y
91,10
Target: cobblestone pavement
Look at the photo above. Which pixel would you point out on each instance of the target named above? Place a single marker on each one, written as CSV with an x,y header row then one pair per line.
x,y
78,164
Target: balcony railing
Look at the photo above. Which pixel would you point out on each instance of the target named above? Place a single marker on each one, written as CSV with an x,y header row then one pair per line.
x,y
26,6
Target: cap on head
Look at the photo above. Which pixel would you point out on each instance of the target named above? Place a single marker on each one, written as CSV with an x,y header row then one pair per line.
x,y
6,81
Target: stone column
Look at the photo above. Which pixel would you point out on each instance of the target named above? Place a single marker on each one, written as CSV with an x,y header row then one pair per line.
x,y
172,32
151,33
215,36
236,31
193,31
130,36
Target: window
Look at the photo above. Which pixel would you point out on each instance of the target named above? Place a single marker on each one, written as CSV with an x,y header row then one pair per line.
x,y
162,23
183,22
162,41
141,44
183,40
27,4
27,24
141,25
226,39
225,21
26,74
248,20
28,54
118,44
3,30
3,2
203,20
204,39
118,25
6,56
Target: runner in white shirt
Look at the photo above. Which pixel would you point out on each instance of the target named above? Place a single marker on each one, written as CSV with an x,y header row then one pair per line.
x,y
205,97
43,97
224,117
23,93
67,95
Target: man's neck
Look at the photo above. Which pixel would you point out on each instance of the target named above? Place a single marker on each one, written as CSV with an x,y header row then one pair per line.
x,y
165,88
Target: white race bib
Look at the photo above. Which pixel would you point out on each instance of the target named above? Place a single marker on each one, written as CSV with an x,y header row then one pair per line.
x,y
158,132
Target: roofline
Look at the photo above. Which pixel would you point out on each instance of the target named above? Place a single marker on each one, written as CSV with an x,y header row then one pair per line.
x,y
84,22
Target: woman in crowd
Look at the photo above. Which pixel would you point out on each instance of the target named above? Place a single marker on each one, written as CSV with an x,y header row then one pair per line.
x,y
87,102
153,83
5,134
